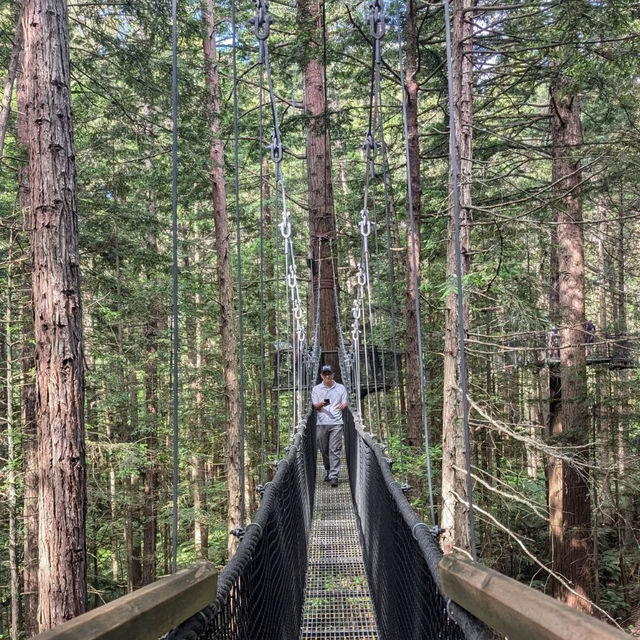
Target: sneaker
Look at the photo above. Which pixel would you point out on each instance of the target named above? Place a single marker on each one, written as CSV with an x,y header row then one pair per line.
x,y
334,482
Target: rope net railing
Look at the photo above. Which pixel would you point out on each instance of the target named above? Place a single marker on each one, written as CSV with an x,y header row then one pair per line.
x,y
261,591
401,553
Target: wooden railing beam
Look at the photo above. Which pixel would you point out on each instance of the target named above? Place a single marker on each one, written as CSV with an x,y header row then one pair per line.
x,y
146,614
515,610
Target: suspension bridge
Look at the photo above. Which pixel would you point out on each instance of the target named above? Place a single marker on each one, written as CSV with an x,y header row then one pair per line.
x,y
318,563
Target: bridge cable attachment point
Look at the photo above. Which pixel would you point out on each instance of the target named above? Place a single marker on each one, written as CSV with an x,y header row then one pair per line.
x,y
238,532
255,524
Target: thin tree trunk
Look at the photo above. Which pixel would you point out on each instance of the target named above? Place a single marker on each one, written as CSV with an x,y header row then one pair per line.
x,y
569,499
225,280
413,397
12,503
132,536
454,513
322,220
28,391
62,502
5,106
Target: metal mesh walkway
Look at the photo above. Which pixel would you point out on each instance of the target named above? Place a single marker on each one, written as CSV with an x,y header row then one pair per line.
x,y
338,603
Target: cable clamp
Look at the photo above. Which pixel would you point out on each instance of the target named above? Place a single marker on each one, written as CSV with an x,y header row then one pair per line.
x,y
262,21
292,277
361,276
276,147
365,223
285,228
377,19
238,532
404,487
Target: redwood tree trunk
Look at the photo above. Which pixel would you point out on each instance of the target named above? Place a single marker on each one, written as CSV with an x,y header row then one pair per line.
x,y
225,280
322,221
569,499
57,314
455,514
413,399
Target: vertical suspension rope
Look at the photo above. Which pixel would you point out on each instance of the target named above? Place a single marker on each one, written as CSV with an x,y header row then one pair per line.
x,y
238,253
417,304
453,156
262,349
174,230
174,233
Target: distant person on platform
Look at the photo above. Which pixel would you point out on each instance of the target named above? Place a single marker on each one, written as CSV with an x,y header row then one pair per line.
x,y
329,398
589,333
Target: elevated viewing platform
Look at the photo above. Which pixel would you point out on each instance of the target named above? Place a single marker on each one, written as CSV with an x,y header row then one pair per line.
x,y
540,349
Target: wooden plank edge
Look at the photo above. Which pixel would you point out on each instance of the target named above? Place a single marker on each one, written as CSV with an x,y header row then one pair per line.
x,y
147,613
515,610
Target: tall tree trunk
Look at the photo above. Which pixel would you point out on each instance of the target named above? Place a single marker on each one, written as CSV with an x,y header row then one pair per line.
x,y
27,390
225,280
132,535
200,528
12,502
413,397
454,513
150,474
322,220
569,500
5,106
62,501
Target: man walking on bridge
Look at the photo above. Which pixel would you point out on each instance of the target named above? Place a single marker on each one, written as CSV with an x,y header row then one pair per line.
x,y
329,398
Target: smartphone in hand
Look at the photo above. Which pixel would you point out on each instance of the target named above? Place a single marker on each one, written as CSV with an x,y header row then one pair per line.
x,y
327,401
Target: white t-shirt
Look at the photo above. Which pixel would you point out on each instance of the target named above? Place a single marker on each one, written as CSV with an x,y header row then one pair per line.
x,y
337,394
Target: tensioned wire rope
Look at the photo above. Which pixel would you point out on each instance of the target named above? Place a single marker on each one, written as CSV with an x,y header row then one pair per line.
x,y
174,235
262,25
392,292
238,260
423,385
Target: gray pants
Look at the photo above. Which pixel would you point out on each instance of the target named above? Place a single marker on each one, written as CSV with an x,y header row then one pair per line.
x,y
329,441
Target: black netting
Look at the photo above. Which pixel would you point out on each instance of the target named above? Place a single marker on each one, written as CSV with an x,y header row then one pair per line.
x,y
261,591
401,555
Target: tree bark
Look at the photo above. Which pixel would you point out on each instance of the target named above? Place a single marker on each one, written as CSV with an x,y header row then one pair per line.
x,y
12,502
322,221
569,499
57,314
225,280
27,390
413,397
132,536
5,106
455,514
